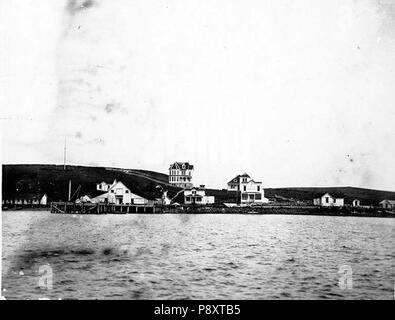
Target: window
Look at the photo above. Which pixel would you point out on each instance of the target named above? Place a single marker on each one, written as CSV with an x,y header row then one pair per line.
x,y
258,188
258,196
126,191
198,199
326,199
245,188
244,196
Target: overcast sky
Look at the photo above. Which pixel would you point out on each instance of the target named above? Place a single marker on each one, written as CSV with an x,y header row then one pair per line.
x,y
295,93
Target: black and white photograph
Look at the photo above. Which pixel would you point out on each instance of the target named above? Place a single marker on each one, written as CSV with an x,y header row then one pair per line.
x,y
172,150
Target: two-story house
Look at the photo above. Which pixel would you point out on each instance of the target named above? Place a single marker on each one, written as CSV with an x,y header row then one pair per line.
x,y
180,174
251,191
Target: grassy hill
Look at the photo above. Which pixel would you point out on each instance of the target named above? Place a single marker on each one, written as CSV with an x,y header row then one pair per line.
x,y
21,180
367,196
54,180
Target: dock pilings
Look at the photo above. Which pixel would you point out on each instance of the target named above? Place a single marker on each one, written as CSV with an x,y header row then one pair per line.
x,y
101,208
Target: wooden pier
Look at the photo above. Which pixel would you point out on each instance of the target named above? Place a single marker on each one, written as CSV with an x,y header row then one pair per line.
x,y
101,208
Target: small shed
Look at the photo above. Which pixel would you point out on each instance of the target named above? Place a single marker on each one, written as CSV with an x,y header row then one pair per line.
x,y
387,204
329,200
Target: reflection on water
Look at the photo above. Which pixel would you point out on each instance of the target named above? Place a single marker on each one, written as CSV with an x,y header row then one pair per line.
x,y
196,256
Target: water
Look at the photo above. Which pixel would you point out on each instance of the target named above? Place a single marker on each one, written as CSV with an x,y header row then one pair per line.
x,y
195,256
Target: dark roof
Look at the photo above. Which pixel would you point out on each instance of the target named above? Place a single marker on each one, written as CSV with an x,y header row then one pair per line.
x,y
194,195
237,178
195,188
179,166
26,196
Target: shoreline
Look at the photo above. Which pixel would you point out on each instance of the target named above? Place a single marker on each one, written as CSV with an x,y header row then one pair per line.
x,y
297,211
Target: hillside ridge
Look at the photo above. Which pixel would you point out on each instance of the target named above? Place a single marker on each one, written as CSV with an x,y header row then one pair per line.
x,y
53,180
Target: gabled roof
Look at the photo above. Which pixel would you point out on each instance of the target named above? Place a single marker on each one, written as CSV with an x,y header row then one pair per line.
x,y
194,188
388,201
336,195
181,166
117,182
252,180
194,195
104,183
237,178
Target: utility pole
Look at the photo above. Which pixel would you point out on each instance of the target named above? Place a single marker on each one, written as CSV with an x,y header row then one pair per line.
x,y
64,154
69,190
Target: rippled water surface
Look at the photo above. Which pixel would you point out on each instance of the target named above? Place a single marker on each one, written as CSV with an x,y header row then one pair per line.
x,y
196,256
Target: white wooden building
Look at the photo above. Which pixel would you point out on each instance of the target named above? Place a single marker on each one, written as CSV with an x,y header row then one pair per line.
x,y
387,204
251,191
103,186
329,200
180,174
197,196
118,193
28,199
356,203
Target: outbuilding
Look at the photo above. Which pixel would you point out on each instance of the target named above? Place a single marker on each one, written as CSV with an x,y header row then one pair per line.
x,y
329,200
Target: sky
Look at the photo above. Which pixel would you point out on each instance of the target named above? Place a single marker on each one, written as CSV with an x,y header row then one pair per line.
x,y
295,93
